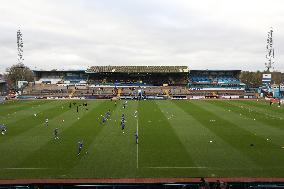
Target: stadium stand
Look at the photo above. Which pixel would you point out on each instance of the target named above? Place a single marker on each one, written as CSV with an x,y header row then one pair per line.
x,y
138,75
60,76
213,83
3,87
75,79
137,69
108,81
164,82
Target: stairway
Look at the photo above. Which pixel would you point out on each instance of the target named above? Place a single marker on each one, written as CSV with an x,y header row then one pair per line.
x,y
72,93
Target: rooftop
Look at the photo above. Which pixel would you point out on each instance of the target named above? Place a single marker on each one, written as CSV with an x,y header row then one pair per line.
x,y
138,69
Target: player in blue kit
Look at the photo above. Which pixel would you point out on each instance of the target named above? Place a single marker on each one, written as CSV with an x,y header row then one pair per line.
x,y
56,133
80,147
104,119
136,137
122,118
108,114
3,129
122,125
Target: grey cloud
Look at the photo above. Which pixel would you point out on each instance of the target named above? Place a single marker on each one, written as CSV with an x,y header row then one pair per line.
x,y
82,33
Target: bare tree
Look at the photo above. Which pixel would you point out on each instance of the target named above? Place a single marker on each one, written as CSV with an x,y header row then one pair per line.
x,y
18,72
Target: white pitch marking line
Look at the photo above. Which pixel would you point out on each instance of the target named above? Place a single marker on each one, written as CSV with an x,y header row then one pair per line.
x,y
24,168
177,167
137,157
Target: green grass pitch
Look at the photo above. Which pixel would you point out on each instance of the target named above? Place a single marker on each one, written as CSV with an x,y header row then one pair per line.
x,y
209,138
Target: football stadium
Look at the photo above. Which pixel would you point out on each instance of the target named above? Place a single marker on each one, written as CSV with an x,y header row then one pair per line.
x,y
141,94
140,124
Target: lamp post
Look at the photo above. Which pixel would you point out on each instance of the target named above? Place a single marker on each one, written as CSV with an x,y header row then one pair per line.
x,y
20,46
270,50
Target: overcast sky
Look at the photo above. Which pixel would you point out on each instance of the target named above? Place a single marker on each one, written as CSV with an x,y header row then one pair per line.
x,y
201,34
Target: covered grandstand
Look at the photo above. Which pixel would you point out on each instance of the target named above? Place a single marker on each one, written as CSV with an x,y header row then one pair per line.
x,y
109,81
213,83
60,76
117,76
138,75
152,82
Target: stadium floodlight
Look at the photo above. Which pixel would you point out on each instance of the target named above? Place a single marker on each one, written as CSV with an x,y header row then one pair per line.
x,y
270,50
20,45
